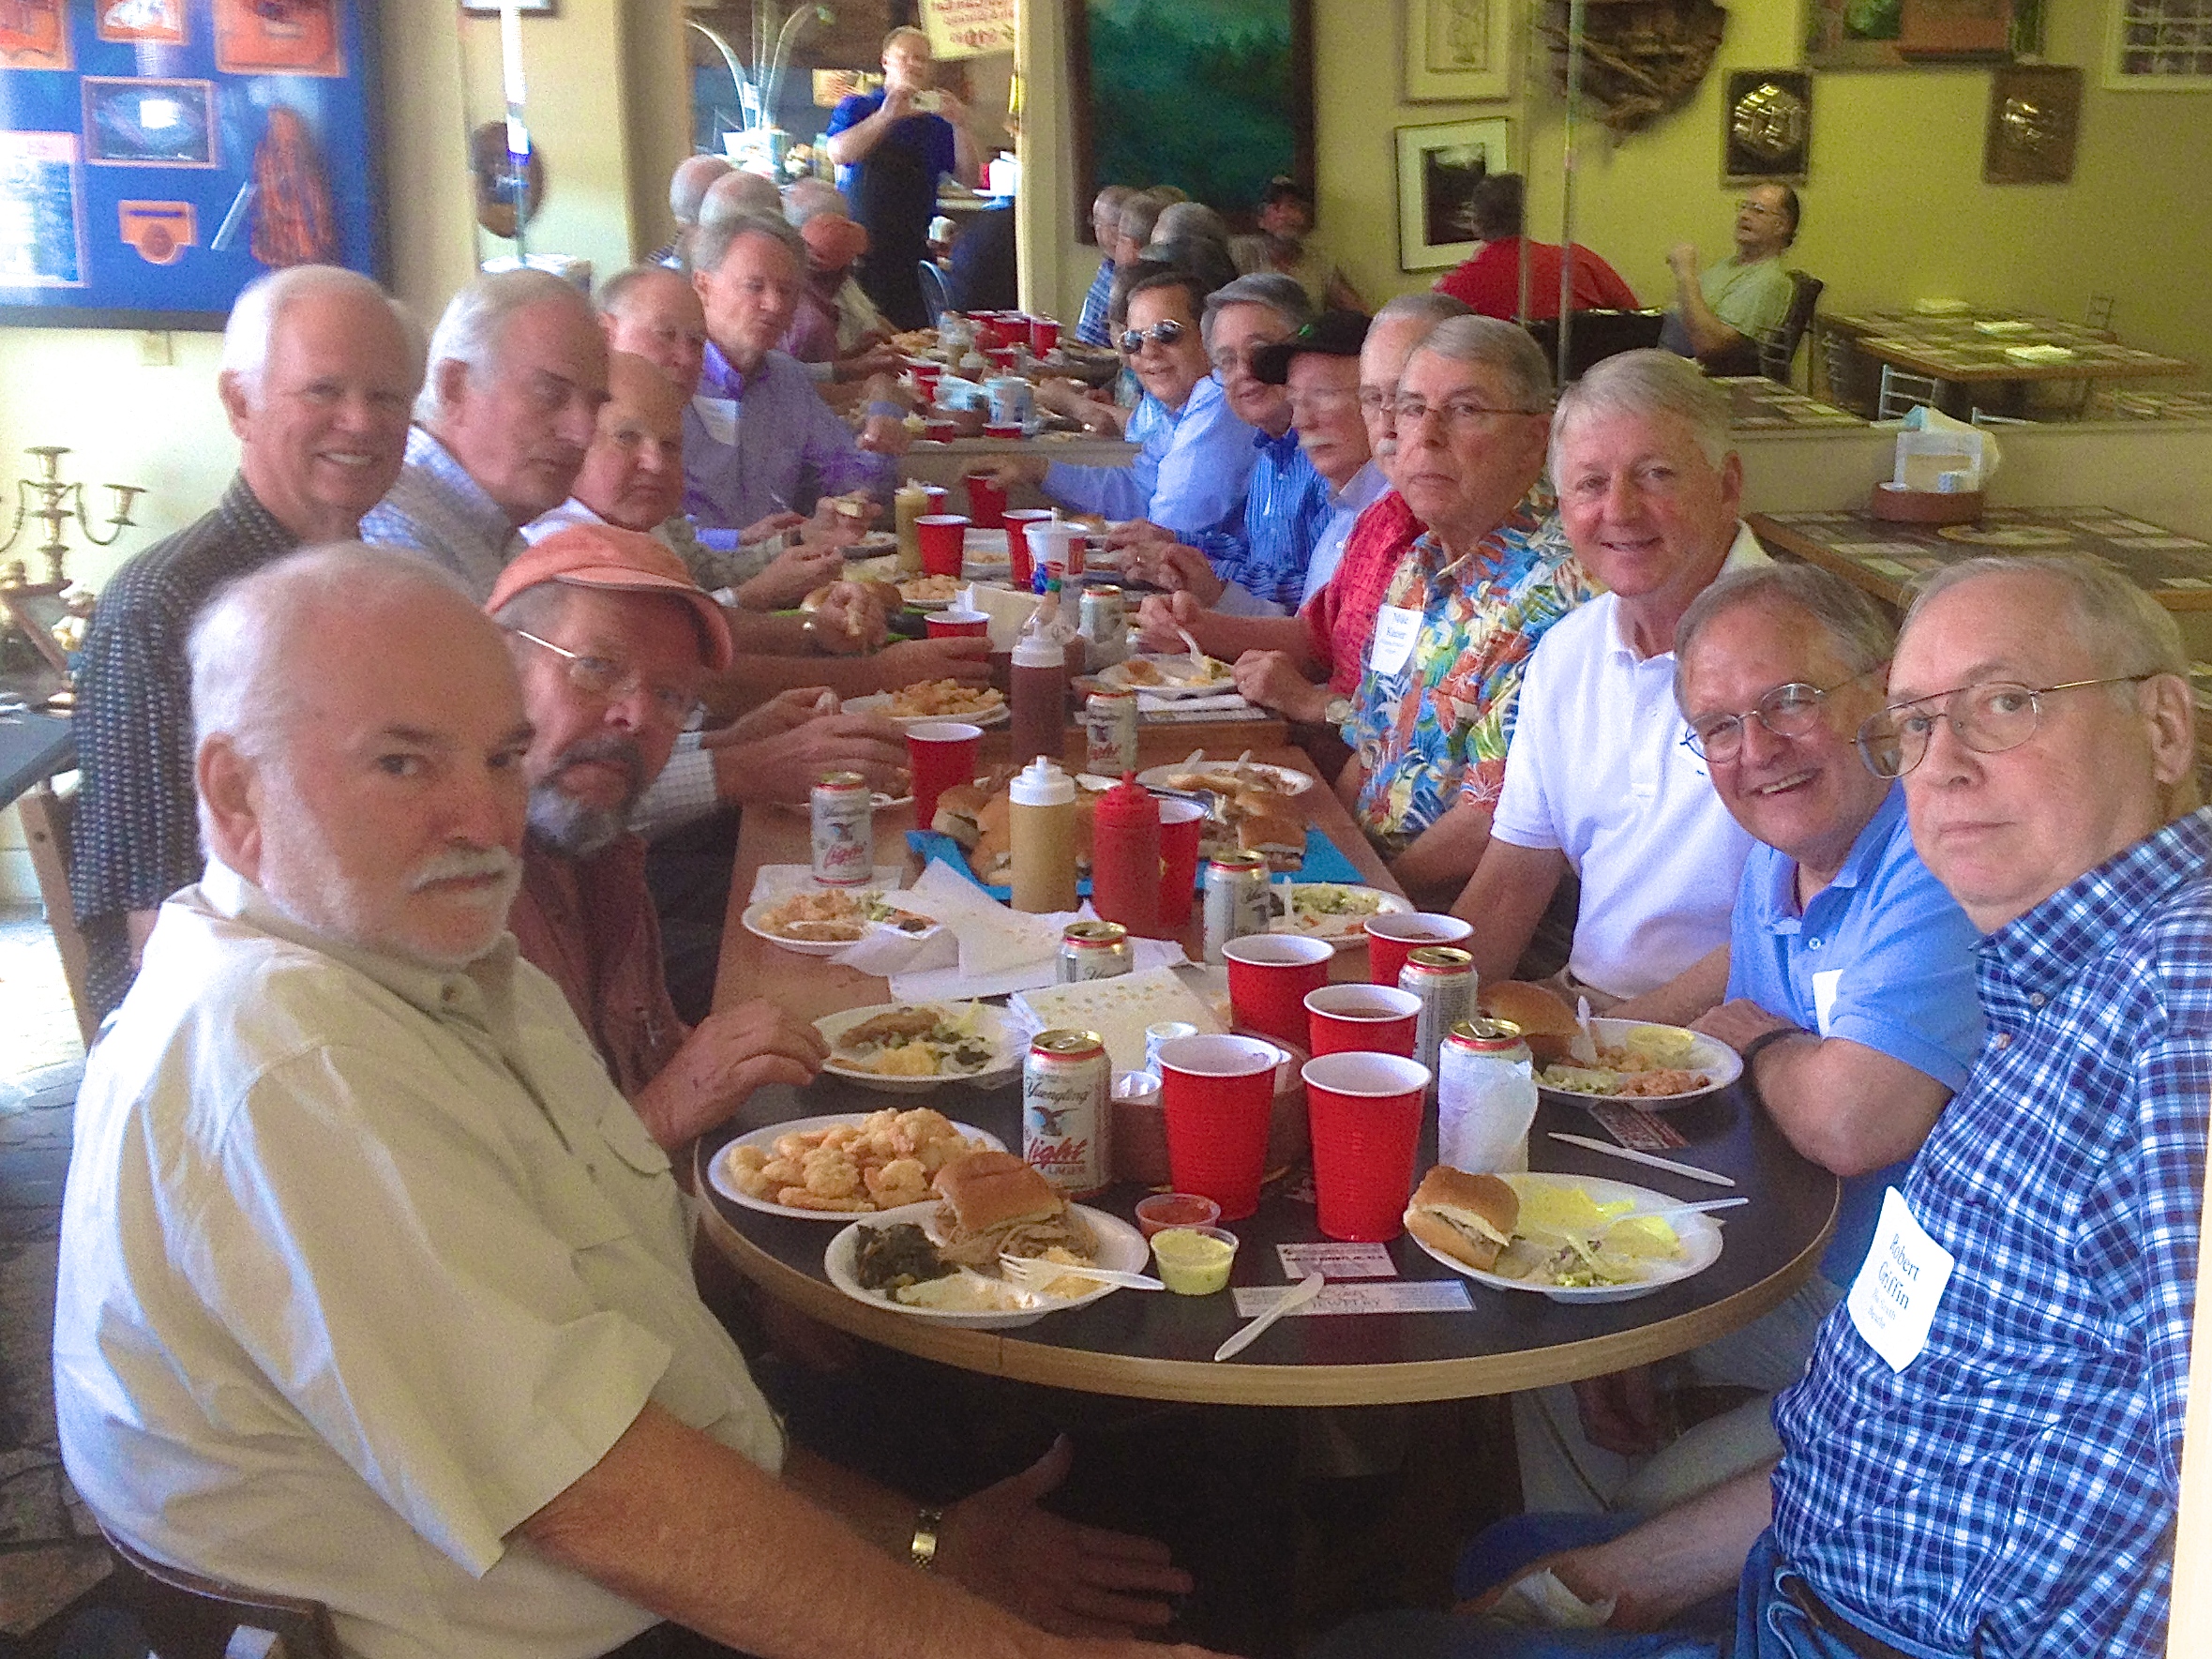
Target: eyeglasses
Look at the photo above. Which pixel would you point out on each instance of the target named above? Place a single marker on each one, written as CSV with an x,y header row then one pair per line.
x,y
1763,210
1160,334
1376,399
611,681
1458,414
1989,718
1321,399
1231,358
1787,711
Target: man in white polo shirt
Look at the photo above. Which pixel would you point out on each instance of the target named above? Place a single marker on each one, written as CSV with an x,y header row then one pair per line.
x,y
1597,780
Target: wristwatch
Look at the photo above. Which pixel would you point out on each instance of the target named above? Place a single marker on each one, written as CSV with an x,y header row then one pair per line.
x,y
1764,1040
923,1550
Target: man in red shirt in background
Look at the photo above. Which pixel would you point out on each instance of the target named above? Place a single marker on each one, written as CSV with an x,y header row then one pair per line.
x,y
1490,283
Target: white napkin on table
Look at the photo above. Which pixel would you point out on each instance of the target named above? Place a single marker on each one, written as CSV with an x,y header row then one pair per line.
x,y
1008,610
1539,1602
1148,704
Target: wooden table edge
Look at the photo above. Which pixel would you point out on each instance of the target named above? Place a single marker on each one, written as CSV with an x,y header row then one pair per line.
x,y
1206,1383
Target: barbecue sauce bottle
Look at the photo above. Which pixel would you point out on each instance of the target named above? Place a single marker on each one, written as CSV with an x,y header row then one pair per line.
x,y
1041,824
1125,857
1040,696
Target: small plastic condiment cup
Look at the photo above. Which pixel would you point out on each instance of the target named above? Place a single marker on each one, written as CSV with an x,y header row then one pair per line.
x,y
1191,1259
1164,1210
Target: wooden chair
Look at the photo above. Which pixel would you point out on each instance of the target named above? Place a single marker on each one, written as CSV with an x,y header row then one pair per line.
x,y
1778,354
46,813
189,1617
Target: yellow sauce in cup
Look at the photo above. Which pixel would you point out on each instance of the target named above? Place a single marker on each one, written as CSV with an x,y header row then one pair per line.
x,y
1194,1263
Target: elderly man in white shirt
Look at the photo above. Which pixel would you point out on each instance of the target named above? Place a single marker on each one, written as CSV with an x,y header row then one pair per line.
x,y
373,1289
1597,780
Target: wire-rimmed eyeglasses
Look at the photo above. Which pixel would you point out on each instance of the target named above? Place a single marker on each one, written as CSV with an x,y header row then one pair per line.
x,y
1164,333
1989,717
611,680
1787,711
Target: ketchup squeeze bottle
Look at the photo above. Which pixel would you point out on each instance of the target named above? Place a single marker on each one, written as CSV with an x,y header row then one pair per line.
x,y
1125,857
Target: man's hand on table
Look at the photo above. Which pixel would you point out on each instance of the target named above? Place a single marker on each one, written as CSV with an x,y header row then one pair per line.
x,y
786,767
1171,565
1160,614
1132,532
849,620
779,714
1070,1579
790,576
912,662
1013,471
727,1055
1270,679
1737,1022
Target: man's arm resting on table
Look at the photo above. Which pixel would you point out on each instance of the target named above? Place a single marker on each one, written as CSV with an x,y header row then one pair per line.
x,y
1438,864
1674,1560
1505,900
690,1529
1848,1107
1696,991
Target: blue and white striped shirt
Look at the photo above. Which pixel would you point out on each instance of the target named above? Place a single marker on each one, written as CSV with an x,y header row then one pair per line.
x,y
2013,1491
1091,325
1286,509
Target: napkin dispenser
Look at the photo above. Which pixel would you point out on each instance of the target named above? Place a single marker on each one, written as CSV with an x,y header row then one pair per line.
x,y
1940,468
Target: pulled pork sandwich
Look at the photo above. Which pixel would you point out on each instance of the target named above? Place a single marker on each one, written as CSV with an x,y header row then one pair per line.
x,y
997,1205
1468,1218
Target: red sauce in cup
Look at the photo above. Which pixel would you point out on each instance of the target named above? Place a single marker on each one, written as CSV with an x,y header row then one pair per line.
x,y
1175,1209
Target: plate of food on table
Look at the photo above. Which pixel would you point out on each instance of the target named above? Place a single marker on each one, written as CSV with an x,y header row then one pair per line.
x,y
1655,1065
821,923
1334,911
1238,776
843,1164
941,1260
909,1048
1573,1237
1179,676
929,593
935,700
979,818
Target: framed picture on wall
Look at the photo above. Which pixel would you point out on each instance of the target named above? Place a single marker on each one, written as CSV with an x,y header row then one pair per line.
x,y
1439,167
2035,116
1214,96
1459,51
2159,46
1766,127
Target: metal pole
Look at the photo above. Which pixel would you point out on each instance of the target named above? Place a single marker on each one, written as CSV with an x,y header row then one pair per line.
x,y
1577,19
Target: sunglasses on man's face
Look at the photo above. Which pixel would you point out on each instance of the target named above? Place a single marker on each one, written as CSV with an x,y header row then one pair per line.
x,y
1160,334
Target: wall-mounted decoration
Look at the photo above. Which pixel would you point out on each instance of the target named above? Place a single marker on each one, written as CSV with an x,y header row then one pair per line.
x,y
2034,115
1439,167
1766,127
1920,34
1641,59
135,200
1459,51
967,28
1214,96
2159,46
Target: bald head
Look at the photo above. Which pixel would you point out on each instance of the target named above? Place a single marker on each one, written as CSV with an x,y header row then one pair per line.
x,y
688,185
736,195
655,313
633,474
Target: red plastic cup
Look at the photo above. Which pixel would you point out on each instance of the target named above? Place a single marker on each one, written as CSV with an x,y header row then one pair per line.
x,y
942,753
1392,939
986,502
1004,358
1003,429
1269,974
939,431
1364,1112
1218,1096
958,624
1018,520
944,542
1044,335
1361,1018
1182,825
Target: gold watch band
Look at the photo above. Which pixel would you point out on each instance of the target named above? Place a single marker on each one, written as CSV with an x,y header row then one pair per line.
x,y
923,1550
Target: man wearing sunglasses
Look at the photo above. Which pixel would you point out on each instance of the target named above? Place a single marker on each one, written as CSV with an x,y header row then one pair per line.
x,y
1195,457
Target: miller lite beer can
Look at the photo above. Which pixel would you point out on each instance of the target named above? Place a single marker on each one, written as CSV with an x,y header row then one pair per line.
x,y
1064,1115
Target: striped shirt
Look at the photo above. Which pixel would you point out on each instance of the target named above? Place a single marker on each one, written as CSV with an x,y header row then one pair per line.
x,y
1091,325
1286,510
2013,1491
440,512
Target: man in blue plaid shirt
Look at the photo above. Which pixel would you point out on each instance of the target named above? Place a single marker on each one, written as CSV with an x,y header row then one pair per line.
x,y
1984,1455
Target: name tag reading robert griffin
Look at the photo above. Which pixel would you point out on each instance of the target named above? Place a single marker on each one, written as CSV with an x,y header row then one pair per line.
x,y
1894,1301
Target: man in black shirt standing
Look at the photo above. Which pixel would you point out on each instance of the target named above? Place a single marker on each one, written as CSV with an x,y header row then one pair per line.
x,y
320,368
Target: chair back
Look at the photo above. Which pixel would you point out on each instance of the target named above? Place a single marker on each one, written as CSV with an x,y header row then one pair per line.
x,y
1778,355
189,1617
1594,335
1900,392
935,297
46,813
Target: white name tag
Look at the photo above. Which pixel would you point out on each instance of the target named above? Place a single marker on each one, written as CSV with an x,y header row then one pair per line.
x,y
1894,1301
719,414
1396,629
1824,996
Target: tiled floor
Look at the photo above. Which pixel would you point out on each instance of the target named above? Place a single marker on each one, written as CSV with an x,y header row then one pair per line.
x,y
50,1549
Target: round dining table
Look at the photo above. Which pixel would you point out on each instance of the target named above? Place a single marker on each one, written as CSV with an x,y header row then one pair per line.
x,y
1154,1345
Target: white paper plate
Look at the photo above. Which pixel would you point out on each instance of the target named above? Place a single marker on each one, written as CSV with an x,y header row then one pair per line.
x,y
1116,675
720,1179
1289,780
1119,1246
1707,1054
876,799
805,947
1345,931
1005,1060
878,702
1700,1236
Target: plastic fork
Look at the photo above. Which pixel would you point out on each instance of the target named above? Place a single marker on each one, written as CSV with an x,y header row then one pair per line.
x,y
1030,1272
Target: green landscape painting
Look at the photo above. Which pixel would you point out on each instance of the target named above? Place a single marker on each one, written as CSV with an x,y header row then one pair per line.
x,y
1209,95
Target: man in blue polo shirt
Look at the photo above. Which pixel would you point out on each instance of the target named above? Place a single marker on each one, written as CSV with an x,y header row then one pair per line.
x,y
1847,980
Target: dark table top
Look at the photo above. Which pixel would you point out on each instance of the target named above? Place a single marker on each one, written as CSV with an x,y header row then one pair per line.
x,y
1157,1345
32,747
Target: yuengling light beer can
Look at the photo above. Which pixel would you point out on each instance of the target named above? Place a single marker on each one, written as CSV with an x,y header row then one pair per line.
x,y
844,831
1064,1117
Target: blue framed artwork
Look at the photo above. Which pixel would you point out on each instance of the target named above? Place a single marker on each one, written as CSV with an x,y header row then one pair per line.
x,y
155,156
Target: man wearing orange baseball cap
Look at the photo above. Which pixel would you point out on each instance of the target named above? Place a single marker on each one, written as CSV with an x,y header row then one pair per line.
x,y
613,639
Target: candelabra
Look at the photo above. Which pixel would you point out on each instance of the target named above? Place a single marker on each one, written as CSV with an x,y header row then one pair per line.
x,y
47,497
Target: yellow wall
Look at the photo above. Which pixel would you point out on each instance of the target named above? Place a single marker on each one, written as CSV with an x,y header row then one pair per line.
x,y
1895,208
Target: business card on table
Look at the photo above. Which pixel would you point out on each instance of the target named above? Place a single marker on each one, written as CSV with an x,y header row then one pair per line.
x,y
1403,1296
1334,1261
1634,1127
